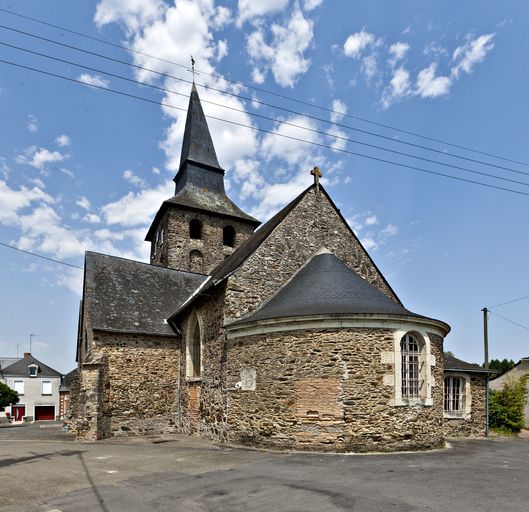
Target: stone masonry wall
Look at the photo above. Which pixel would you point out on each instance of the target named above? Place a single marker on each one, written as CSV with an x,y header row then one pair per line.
x,y
128,386
475,425
313,223
325,390
175,252
211,421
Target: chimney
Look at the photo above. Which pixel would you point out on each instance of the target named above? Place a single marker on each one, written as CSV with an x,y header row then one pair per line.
x,y
26,355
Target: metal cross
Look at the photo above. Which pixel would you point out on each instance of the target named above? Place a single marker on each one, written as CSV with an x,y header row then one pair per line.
x,y
193,68
317,175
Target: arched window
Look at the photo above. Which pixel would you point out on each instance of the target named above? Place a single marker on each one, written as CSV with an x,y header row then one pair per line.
x,y
454,396
411,367
196,262
195,229
194,352
228,236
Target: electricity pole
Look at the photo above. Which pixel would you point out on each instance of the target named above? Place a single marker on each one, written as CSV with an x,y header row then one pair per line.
x,y
486,348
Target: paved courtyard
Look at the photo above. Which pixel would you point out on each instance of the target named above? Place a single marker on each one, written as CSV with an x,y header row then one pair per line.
x,y
42,469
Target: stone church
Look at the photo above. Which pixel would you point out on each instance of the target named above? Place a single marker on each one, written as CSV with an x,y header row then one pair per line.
x,y
283,335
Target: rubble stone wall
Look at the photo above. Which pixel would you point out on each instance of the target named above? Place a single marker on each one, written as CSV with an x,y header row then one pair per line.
x,y
325,390
177,247
312,223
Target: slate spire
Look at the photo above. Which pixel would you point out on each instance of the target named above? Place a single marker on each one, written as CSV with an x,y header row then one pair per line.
x,y
197,146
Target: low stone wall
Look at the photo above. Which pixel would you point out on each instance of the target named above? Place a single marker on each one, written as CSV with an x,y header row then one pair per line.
x,y
325,390
474,425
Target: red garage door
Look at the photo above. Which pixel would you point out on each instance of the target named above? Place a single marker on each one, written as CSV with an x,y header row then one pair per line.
x,y
44,412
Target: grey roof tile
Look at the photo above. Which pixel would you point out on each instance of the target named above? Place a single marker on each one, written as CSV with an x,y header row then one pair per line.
x,y
131,296
20,368
325,285
453,363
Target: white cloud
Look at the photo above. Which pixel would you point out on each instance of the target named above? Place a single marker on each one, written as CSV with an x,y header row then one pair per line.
x,y
63,140
40,157
431,86
132,14
284,55
397,51
222,50
33,124
310,5
92,218
136,208
129,176
251,9
222,17
93,80
472,53
371,220
339,108
14,201
356,43
369,66
83,202
399,87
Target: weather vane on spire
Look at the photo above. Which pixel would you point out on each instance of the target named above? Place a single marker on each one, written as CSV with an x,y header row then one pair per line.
x,y
193,68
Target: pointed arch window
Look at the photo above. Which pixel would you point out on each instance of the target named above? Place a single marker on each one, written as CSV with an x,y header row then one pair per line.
x,y
194,352
228,236
195,229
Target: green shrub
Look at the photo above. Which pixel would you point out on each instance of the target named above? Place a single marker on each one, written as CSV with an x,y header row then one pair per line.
x,y
8,396
506,406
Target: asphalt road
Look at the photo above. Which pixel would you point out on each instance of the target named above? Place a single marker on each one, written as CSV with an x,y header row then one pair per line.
x,y
44,470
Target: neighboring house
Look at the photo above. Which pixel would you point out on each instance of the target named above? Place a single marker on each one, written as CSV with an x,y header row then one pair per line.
x,y
64,392
519,369
465,388
37,386
286,336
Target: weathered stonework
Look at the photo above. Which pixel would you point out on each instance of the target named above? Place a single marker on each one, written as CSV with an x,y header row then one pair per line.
x,y
128,386
175,251
325,390
474,424
312,224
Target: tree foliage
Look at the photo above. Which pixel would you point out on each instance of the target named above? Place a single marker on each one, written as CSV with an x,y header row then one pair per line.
x,y
8,396
507,404
501,366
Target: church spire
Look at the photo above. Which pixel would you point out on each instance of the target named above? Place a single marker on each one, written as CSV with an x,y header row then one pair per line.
x,y
197,146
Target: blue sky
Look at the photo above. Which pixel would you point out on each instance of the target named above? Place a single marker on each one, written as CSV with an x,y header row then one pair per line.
x,y
84,169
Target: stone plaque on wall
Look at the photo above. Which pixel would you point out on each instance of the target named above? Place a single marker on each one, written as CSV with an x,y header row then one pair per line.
x,y
248,379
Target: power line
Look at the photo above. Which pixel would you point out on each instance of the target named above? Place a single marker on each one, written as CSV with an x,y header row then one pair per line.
x,y
511,321
509,302
40,256
266,91
261,116
318,144
333,123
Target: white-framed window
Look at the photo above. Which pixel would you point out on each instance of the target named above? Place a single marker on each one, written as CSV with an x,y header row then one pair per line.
x,y
18,386
46,387
413,379
33,370
457,397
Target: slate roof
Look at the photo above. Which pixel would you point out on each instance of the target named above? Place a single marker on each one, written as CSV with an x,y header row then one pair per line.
x,y
252,243
66,383
7,361
455,364
129,296
20,368
325,285
200,179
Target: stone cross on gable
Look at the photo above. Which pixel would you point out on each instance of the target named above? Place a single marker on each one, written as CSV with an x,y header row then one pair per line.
x,y
317,175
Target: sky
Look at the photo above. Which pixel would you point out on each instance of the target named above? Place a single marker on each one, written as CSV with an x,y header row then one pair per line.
x,y
82,168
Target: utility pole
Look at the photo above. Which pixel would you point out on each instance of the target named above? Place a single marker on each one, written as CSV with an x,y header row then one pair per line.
x,y
486,348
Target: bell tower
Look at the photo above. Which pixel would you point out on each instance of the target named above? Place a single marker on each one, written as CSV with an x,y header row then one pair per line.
x,y
200,225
